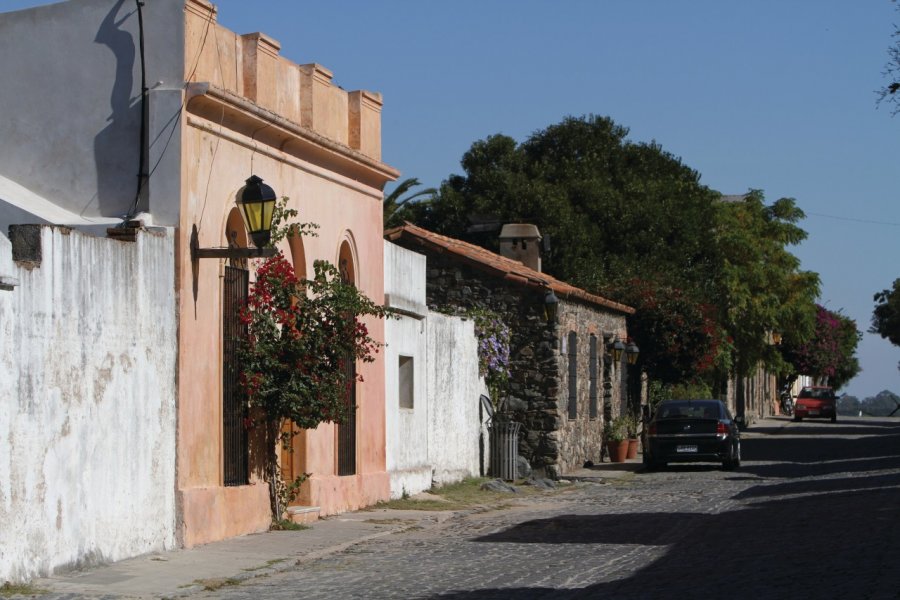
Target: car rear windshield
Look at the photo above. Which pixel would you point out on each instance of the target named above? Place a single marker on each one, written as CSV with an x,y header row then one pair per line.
x,y
817,393
689,409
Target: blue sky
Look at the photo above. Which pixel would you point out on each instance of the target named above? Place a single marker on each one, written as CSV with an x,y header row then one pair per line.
x,y
768,94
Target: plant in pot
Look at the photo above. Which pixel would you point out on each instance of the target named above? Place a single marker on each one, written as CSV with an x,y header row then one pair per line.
x,y
615,433
632,423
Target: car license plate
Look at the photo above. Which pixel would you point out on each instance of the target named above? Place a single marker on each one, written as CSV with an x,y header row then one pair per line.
x,y
813,411
686,449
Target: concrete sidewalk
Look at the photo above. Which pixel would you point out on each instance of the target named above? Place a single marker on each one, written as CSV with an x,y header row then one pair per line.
x,y
180,573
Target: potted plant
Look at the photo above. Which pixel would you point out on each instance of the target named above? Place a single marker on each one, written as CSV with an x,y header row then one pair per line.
x,y
631,426
615,432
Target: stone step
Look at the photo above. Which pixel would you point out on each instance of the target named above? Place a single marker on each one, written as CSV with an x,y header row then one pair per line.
x,y
303,515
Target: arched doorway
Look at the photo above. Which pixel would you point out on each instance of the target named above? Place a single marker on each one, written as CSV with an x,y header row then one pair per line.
x,y
236,282
294,456
346,431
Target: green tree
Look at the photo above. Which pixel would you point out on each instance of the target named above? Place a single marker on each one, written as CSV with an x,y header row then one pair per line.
x,y
613,209
886,315
631,221
760,285
395,209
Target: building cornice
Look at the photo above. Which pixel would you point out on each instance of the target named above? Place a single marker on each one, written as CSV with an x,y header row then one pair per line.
x,y
264,126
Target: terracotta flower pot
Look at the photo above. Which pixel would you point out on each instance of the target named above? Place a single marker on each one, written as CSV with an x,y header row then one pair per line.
x,y
618,451
632,448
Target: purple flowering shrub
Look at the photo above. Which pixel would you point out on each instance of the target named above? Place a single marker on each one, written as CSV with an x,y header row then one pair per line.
x,y
493,352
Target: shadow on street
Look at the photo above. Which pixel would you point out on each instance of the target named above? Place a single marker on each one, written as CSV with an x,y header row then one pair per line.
x,y
809,529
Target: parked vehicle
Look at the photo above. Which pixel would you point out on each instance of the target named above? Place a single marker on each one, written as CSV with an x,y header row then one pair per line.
x,y
692,431
817,402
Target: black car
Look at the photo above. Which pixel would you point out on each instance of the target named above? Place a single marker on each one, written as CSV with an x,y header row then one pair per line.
x,y
692,431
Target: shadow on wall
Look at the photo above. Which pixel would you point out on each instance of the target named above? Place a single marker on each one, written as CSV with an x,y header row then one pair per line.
x,y
117,146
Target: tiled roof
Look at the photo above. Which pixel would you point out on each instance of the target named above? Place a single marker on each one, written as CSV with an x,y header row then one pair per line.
x,y
498,266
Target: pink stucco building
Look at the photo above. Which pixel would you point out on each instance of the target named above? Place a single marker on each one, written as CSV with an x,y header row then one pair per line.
x,y
250,111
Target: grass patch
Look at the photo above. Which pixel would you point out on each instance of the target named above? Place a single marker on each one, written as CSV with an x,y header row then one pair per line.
x,y
211,585
7,590
460,496
269,563
287,525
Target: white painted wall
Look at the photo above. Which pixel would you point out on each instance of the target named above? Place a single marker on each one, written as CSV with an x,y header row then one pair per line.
x,y
454,391
437,441
407,429
87,403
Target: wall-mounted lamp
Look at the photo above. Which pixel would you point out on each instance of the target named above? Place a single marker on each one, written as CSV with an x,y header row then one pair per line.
x,y
551,307
257,202
776,337
631,352
617,348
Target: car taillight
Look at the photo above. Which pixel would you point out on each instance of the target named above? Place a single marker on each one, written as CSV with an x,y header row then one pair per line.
x,y
651,429
721,428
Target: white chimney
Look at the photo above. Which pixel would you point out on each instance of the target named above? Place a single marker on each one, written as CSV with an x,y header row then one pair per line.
x,y
521,242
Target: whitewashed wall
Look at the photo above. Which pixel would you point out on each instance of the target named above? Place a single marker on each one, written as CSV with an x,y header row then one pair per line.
x,y
407,429
436,441
454,391
87,403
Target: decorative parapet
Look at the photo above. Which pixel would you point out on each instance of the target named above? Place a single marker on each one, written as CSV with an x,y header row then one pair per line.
x,y
250,66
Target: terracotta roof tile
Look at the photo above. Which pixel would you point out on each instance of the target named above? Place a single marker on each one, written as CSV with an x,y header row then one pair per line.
x,y
499,266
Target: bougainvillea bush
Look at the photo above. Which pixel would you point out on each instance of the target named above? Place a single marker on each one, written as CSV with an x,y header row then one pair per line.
x,y
828,356
302,335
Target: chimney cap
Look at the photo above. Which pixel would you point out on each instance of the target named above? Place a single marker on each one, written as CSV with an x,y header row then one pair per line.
x,y
520,231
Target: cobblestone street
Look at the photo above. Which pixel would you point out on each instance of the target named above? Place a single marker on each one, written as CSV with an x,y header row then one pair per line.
x,y
813,512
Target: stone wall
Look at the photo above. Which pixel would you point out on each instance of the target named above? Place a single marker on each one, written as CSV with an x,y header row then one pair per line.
x,y
580,438
537,397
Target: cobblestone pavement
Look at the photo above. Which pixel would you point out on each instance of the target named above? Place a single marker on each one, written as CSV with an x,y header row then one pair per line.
x,y
814,512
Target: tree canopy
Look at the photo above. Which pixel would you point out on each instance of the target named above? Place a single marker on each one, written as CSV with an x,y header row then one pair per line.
x,y
709,277
886,316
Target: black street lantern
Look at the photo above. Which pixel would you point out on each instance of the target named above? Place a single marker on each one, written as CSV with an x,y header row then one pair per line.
x,y
631,352
618,347
551,307
257,202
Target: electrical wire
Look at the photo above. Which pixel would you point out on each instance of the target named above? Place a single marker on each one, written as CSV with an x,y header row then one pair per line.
x,y
143,142
869,221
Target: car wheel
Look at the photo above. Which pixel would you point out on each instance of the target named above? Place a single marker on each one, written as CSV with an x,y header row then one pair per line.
x,y
734,458
797,419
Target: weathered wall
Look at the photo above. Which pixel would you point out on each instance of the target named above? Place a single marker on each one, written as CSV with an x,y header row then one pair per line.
x,y
454,389
406,428
71,126
87,403
437,440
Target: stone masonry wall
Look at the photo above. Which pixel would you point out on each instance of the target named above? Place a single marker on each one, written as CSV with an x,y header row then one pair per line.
x,y
580,438
538,393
